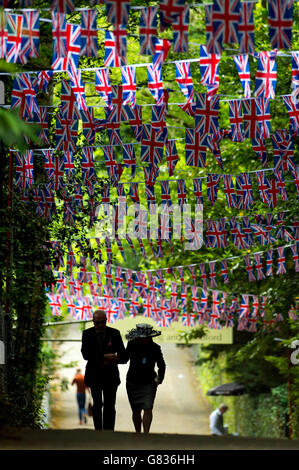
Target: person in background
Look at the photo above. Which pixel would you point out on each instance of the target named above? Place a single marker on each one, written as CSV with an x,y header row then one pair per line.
x,y
103,349
81,395
216,421
142,380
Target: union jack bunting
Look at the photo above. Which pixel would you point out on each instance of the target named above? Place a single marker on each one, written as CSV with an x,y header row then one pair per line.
x,y
158,117
58,173
135,120
180,31
71,305
102,85
152,145
215,234
281,261
295,256
129,85
224,271
244,306
24,95
87,166
195,300
169,11
70,60
283,150
63,6
148,30
210,38
155,83
280,184
171,155
89,34
30,35
247,231
246,28
117,11
269,263
197,185
264,186
184,79
238,236
204,301
259,267
293,111
182,194
41,119
68,105
206,115
245,184
266,74
115,49
236,120
280,21
260,234
78,87
212,274
162,47
213,144
165,193
209,70
89,124
14,27
229,191
24,169
55,304
225,20
3,34
212,187
259,147
47,156
295,69
195,148
215,313
129,157
66,133
183,303
150,175
242,64
203,275
69,165
42,80
59,35
257,118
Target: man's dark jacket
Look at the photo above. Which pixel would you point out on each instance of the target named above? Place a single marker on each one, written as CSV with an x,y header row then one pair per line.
x,y
97,372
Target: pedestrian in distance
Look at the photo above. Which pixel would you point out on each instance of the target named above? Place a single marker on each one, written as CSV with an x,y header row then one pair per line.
x,y
216,421
103,349
78,380
142,379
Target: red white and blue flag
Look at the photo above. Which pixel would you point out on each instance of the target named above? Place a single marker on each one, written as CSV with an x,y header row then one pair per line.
x,y
184,79
66,133
129,85
197,185
209,70
3,34
266,74
148,30
259,147
229,191
206,115
257,122
118,11
102,85
171,155
259,267
283,150
169,11
295,70
89,34
249,269
242,64
30,34
59,35
162,47
292,106
77,86
236,120
155,83
212,187
195,148
281,261
14,27
115,49
62,6
70,60
225,20
246,28
180,31
280,21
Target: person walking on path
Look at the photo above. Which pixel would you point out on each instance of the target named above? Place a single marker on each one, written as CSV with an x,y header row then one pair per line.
x,y
81,396
216,421
103,349
142,379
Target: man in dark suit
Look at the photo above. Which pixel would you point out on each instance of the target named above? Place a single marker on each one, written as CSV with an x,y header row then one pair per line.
x,y
103,349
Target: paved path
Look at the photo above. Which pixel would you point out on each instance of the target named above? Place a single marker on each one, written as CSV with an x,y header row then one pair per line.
x,y
180,406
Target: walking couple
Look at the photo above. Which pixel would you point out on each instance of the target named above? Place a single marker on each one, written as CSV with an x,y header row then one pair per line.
x,y
103,349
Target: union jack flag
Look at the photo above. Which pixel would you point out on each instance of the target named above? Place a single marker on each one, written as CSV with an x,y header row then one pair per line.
x,y
148,30
118,11
58,173
242,64
41,119
203,275
244,306
212,187
24,169
48,163
68,104
71,305
62,6
269,263
155,83
184,79
281,261
195,148
180,31
210,39
152,145
204,301
245,184
24,95
209,70
78,87
238,236
3,34
87,166
259,147
102,85
212,274
236,120
295,69
264,186
283,150
246,28
171,155
115,49
260,233
66,133
69,165
169,10
135,120
129,85
30,35
206,115
225,20
14,27
293,111
89,34
215,234
59,35
42,79
165,192
229,191
182,194
259,267
55,304
280,184
150,174
266,74
195,300
213,144
247,231
162,47
197,185
280,21
89,124
224,271
129,156
158,117
294,249
70,60
257,118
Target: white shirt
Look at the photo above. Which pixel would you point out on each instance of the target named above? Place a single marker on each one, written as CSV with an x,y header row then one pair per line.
x,y
214,418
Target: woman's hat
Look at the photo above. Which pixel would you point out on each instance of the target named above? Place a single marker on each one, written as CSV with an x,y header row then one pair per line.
x,y
142,330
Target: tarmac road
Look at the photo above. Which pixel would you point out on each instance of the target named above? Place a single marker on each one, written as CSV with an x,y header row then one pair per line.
x,y
180,406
